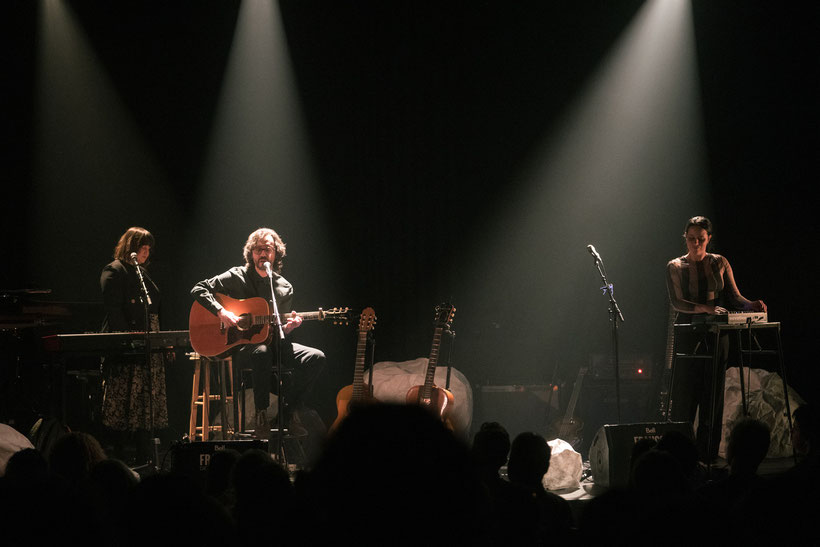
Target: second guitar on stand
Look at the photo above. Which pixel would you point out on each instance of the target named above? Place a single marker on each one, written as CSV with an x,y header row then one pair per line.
x,y
437,399
358,392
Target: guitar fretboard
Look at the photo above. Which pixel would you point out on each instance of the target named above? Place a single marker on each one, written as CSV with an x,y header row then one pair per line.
x,y
283,317
358,372
427,388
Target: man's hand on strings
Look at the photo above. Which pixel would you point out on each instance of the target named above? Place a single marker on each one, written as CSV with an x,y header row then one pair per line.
x,y
228,317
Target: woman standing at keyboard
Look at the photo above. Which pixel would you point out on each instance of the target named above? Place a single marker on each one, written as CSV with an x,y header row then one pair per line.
x,y
134,399
701,282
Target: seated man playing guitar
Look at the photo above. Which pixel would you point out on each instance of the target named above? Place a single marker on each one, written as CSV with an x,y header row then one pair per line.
x,y
263,252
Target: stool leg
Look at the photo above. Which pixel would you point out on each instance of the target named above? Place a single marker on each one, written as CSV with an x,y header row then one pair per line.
x,y
206,403
194,397
223,399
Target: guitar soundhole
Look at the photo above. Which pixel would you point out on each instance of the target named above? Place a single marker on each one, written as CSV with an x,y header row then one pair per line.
x,y
245,321
236,334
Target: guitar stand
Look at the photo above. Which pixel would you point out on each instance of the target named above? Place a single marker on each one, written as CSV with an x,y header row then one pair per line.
x,y
449,365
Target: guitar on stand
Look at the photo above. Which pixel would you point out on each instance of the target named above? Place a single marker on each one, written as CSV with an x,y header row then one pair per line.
x,y
359,392
438,400
210,337
570,428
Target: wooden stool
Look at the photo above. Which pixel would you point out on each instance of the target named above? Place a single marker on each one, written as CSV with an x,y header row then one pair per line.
x,y
199,427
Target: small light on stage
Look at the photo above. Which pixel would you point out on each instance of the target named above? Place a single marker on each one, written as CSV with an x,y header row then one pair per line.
x,y
555,388
640,371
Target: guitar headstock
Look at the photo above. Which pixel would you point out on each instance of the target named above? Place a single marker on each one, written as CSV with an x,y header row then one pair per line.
x,y
444,315
337,316
367,320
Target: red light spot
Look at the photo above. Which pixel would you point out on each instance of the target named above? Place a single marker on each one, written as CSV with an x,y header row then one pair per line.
x,y
640,371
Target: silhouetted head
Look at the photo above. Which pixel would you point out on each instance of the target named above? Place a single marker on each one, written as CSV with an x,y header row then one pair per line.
x,y
258,480
639,448
491,444
386,462
748,444
220,472
529,460
804,430
28,466
682,448
74,454
657,475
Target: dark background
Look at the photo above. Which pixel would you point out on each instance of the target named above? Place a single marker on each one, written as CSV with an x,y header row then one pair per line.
x,y
421,124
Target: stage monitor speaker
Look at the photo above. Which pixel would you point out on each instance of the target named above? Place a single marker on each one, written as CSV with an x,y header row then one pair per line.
x,y
193,459
598,405
611,449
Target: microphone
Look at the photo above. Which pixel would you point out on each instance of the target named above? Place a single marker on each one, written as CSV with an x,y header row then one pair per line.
x,y
594,253
267,268
142,280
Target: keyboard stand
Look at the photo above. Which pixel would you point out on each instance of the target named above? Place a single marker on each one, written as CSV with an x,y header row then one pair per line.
x,y
716,329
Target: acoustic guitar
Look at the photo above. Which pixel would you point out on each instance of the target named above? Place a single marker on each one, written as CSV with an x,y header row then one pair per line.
x,y
211,337
438,400
570,428
358,392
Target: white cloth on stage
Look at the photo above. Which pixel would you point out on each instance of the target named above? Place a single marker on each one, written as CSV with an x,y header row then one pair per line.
x,y
11,442
392,380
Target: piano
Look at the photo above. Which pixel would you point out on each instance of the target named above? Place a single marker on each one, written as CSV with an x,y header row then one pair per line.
x,y
112,343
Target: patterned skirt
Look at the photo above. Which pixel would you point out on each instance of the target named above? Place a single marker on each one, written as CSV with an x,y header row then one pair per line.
x,y
128,400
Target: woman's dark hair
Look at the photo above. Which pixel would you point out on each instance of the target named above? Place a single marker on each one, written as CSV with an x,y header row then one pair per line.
x,y
699,221
131,241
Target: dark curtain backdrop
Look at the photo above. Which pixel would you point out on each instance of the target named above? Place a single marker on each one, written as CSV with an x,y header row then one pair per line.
x,y
419,121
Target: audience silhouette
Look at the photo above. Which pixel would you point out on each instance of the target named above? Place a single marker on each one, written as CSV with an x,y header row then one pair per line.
x,y
394,475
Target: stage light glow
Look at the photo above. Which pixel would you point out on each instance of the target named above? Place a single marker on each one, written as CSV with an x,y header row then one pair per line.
x,y
258,170
621,170
83,134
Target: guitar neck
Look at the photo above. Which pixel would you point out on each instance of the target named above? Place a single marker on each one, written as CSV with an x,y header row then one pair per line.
x,y
283,317
358,372
305,315
575,392
427,388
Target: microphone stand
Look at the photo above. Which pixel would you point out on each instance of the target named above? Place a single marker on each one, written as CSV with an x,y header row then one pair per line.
x,y
614,315
452,336
280,338
145,298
